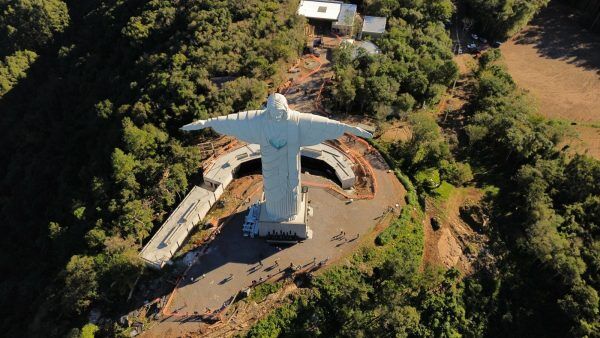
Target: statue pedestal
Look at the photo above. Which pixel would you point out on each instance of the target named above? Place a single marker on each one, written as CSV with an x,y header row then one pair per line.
x,y
280,231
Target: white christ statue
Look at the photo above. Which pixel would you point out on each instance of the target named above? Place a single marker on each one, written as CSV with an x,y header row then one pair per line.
x,y
280,132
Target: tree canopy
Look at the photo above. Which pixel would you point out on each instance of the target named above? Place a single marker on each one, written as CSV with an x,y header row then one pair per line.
x,y
414,67
92,96
501,19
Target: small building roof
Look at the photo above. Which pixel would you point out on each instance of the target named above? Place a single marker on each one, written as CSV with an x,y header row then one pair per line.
x,y
327,10
346,16
369,46
374,24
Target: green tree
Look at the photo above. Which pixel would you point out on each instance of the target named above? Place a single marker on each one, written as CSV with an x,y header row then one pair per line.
x,y
405,103
124,166
142,142
503,18
582,179
426,147
136,220
240,94
159,16
55,230
343,91
30,24
14,68
80,283
95,238
456,173
120,266
89,330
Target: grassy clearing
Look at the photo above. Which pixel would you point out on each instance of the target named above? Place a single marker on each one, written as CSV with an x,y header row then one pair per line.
x,y
443,192
405,235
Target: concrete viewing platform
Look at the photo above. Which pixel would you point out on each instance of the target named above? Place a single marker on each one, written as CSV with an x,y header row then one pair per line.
x,y
198,202
232,262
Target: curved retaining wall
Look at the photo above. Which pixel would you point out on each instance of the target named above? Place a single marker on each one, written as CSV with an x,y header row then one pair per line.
x,y
196,204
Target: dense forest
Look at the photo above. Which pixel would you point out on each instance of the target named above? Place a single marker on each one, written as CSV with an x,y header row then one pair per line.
x,y
501,19
544,233
91,97
543,206
414,68
546,214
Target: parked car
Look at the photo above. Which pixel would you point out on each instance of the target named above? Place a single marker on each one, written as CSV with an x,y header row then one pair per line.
x,y
496,44
474,36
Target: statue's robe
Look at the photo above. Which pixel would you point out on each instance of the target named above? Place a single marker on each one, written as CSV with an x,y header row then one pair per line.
x,y
280,143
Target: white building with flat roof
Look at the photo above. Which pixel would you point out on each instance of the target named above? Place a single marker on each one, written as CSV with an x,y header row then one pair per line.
x,y
321,10
336,15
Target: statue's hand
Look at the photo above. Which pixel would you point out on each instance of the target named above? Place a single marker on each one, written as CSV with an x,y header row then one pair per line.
x,y
361,132
197,125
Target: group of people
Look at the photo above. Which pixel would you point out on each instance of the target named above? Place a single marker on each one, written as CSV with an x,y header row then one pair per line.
x,y
342,236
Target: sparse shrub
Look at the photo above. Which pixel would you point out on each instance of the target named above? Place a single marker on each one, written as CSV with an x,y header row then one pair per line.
x,y
456,173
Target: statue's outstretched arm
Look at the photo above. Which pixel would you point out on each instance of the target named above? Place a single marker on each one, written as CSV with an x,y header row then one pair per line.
x,y
243,125
315,129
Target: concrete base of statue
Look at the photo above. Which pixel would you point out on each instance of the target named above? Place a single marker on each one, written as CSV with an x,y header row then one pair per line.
x,y
286,231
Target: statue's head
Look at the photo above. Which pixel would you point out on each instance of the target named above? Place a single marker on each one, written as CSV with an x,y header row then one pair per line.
x,y
277,107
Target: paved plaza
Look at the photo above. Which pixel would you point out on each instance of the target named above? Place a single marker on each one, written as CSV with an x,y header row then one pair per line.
x,y
232,261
